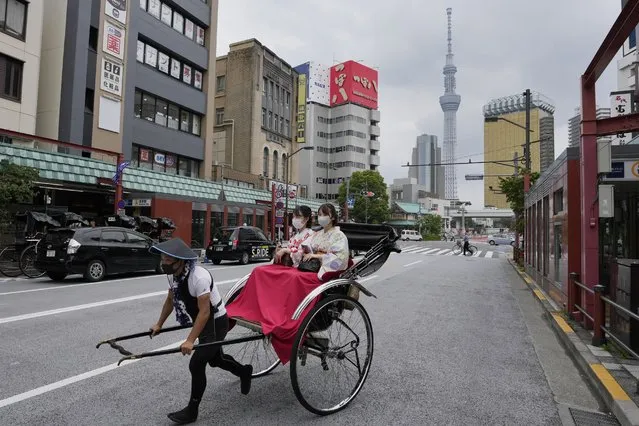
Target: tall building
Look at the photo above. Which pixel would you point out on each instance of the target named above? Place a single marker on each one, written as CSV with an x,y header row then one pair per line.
x,y
20,50
450,104
339,118
427,151
255,111
505,137
626,65
574,126
131,77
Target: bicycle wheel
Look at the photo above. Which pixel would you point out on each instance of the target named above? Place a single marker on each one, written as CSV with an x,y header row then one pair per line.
x,y
471,251
27,262
457,249
9,262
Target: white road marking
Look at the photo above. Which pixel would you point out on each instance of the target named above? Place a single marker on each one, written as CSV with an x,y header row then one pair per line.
x,y
410,250
413,263
74,379
76,285
489,254
420,250
431,251
442,252
91,305
477,253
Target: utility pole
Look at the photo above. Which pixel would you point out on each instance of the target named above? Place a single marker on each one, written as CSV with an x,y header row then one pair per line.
x,y
516,164
527,148
348,191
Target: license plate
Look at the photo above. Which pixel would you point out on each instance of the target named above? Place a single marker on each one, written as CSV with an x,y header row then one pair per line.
x,y
218,248
50,253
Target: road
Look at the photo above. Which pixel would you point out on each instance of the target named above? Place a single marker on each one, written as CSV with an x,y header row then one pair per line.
x,y
458,340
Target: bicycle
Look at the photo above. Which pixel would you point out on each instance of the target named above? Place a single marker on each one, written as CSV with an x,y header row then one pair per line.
x,y
10,262
458,249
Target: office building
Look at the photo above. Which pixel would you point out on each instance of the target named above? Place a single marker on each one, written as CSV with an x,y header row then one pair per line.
x,y
426,152
505,137
254,116
339,118
131,77
20,52
574,126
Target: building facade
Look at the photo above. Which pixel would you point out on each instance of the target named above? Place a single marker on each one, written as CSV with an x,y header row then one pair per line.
x,y
427,151
505,137
340,119
574,126
254,116
131,77
20,53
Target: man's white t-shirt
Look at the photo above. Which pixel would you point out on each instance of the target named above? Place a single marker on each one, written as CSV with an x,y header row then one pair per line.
x,y
200,283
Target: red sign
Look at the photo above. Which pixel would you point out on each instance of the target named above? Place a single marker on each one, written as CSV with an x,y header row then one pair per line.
x,y
352,82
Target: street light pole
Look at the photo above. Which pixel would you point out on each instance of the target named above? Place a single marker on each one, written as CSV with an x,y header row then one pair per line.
x,y
527,149
288,174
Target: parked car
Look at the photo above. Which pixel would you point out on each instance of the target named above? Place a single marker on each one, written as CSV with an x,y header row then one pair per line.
x,y
498,239
243,243
95,252
408,234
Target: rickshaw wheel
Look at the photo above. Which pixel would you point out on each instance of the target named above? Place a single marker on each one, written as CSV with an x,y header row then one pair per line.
x,y
333,348
258,353
27,263
10,262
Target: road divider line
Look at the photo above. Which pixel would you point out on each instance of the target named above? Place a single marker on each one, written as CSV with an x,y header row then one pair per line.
x,y
74,379
413,263
9,293
92,305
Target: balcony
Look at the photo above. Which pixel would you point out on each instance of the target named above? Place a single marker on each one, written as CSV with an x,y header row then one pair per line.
x,y
375,145
375,116
374,160
374,130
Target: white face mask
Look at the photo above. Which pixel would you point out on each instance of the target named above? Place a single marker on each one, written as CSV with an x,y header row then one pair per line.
x,y
298,223
323,220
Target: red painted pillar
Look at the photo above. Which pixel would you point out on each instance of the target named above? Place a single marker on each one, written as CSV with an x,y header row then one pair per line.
x,y
118,187
207,226
588,189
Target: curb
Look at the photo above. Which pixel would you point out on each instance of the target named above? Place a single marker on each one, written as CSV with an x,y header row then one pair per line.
x,y
599,377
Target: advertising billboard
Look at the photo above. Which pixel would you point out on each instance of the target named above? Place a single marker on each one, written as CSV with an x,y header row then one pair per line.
x,y
317,82
301,109
352,82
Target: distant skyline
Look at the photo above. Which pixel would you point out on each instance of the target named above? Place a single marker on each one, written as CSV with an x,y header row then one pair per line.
x,y
501,47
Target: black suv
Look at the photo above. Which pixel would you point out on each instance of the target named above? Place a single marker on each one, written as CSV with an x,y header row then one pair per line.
x,y
95,252
243,243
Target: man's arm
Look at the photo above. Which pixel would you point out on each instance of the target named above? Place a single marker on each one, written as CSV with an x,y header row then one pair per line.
x,y
204,306
167,308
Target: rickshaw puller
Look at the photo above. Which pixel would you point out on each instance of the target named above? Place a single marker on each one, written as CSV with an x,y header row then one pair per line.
x,y
196,300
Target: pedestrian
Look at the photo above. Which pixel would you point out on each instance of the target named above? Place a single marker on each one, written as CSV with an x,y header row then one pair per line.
x,y
197,301
466,242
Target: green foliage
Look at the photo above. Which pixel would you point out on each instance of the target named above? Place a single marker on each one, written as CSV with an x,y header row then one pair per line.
x,y
431,227
366,180
513,189
16,185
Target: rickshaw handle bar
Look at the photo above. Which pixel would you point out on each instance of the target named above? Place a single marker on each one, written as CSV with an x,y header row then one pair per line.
x,y
196,347
111,342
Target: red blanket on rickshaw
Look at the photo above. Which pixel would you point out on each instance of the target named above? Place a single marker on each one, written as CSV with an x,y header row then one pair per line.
x,y
270,297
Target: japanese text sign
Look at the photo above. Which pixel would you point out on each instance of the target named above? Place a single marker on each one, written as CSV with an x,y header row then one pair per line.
x,y
352,82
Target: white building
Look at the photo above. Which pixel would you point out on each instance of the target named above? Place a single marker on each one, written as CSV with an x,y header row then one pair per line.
x,y
20,50
340,120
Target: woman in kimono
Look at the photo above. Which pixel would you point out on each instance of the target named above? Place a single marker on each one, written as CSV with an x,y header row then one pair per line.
x,y
302,222
329,245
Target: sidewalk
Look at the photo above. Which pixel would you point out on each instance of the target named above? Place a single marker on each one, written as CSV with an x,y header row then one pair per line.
x,y
614,377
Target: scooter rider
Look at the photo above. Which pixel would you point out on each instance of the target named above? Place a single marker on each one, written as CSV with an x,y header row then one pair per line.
x,y
197,301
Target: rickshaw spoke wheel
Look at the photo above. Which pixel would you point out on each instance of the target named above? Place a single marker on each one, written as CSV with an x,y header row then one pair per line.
x,y
27,263
258,353
10,262
332,355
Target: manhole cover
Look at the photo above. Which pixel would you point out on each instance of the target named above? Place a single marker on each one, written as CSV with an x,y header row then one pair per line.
x,y
587,418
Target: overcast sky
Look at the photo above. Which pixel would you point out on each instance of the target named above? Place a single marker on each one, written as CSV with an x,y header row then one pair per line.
x,y
501,48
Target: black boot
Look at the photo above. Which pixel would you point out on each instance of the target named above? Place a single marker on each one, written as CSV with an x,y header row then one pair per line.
x,y
245,379
186,415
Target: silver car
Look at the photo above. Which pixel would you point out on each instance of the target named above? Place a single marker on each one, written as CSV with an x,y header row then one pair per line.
x,y
501,239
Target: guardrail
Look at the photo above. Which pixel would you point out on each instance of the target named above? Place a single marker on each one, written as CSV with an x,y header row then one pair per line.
x,y
602,305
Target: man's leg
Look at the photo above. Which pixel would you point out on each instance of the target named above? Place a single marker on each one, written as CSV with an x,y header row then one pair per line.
x,y
227,362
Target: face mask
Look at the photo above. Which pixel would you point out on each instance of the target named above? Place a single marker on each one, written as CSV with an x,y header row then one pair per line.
x,y
169,269
323,220
298,223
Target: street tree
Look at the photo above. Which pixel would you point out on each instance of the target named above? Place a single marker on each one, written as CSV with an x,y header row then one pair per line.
x,y
16,186
431,227
513,188
371,199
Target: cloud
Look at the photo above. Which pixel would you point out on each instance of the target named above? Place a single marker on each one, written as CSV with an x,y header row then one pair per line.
x,y
501,48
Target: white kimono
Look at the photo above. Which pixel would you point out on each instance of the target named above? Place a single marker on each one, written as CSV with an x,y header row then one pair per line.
x,y
335,246
294,244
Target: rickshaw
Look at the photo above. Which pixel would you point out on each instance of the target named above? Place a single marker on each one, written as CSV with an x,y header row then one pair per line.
x,y
145,225
164,230
120,220
30,227
318,355
29,254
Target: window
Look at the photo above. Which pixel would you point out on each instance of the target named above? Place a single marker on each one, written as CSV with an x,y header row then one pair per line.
x,y
186,74
195,128
174,117
176,68
88,100
220,83
135,239
263,117
178,22
151,159
148,107
265,162
163,61
272,89
270,120
287,128
276,123
140,52
277,93
13,15
185,121
10,77
275,160
264,85
93,38
219,116
200,36
166,14
151,56
137,107
284,166
163,113
282,125
288,99
161,108
113,237
172,18
188,28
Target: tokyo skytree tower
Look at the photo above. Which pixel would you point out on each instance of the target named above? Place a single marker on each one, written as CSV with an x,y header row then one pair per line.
x,y
450,104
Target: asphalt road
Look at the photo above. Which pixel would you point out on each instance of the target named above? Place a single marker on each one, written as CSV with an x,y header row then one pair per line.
x,y
458,340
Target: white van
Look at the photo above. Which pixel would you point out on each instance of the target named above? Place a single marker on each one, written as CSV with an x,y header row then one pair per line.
x,y
407,234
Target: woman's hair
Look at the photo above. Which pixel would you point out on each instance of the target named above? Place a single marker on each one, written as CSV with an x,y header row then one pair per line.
x,y
329,209
306,213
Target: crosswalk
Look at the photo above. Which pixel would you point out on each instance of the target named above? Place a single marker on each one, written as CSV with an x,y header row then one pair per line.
x,y
429,251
